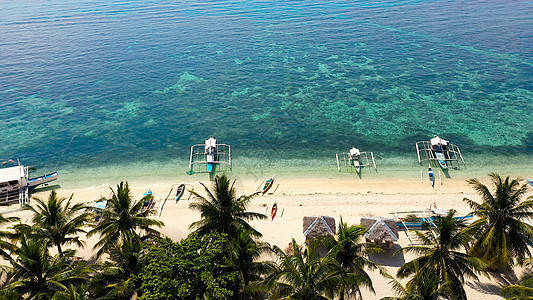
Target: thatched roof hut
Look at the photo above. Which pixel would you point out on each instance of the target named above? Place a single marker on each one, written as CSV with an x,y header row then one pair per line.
x,y
381,231
318,226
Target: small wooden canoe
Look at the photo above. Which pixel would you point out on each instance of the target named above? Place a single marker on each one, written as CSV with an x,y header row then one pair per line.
x,y
274,211
431,176
268,184
180,191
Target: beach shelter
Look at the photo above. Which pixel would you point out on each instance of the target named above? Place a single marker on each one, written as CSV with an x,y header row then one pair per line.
x,y
318,226
383,232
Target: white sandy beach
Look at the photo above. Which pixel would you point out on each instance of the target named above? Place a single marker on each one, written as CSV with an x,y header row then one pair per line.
x,y
299,197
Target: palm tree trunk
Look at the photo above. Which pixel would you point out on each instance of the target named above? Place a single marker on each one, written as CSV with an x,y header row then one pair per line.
x,y
59,250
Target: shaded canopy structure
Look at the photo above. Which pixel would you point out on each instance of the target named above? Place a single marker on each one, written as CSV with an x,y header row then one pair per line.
x,y
383,232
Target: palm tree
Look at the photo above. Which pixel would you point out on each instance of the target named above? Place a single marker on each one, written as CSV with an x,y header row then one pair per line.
x,y
122,216
439,257
222,211
303,276
502,235
244,255
116,278
39,275
350,253
59,222
72,293
423,287
523,290
5,245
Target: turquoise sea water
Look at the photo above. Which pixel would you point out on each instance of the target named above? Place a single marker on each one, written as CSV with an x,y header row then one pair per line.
x,y
113,83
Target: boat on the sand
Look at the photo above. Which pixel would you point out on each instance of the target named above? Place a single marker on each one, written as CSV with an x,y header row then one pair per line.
x,y
268,184
274,211
431,176
180,191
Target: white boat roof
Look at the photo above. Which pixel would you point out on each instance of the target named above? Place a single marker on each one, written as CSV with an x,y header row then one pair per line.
x,y
13,173
210,142
354,151
436,140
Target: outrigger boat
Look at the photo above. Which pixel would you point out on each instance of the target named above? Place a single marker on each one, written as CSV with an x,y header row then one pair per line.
x,y
530,182
421,217
441,151
211,154
355,155
15,183
355,160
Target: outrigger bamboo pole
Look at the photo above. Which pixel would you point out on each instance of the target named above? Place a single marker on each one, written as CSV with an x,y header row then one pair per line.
x,y
418,153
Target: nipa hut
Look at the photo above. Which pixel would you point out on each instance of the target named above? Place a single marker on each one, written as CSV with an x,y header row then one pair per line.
x,y
318,226
383,232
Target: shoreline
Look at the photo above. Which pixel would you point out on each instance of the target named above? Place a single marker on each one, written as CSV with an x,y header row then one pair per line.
x,y
309,193
391,168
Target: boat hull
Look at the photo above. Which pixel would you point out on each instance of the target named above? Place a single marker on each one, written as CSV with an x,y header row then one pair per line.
x,y
274,211
357,166
180,191
35,182
431,176
268,185
441,159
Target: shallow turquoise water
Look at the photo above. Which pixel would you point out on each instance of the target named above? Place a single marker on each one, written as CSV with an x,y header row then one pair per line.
x,y
125,82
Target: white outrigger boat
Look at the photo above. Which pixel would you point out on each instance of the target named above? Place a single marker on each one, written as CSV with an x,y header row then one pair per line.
x,y
440,151
210,154
355,159
15,184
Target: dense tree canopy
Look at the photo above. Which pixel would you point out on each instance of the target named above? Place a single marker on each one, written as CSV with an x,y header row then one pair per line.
x,y
190,269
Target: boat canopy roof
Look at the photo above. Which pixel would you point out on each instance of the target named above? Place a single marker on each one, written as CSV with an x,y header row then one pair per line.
x,y
355,151
436,141
13,173
210,142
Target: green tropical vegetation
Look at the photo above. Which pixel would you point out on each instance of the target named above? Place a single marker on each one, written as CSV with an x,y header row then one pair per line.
x,y
222,211
59,222
501,231
123,216
224,257
523,289
441,260
189,269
